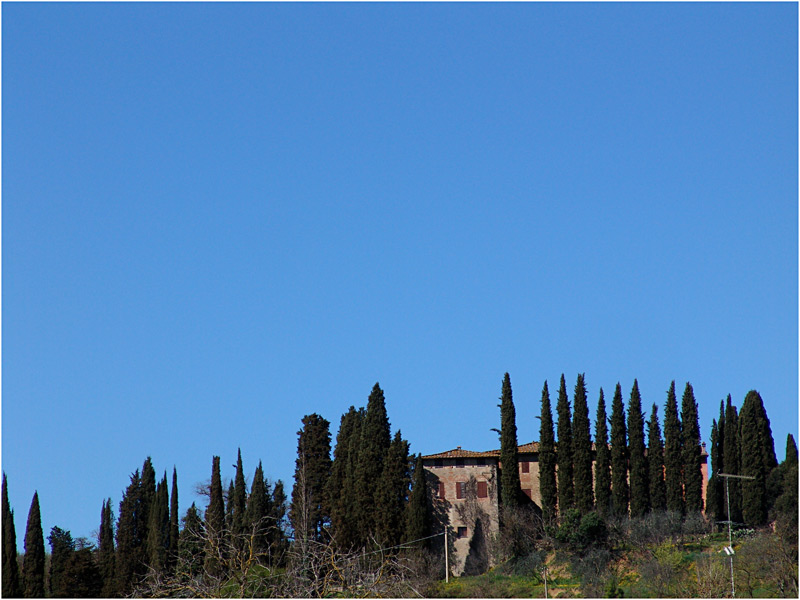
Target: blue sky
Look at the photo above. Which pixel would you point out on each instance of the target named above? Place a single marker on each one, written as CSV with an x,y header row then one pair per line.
x,y
220,218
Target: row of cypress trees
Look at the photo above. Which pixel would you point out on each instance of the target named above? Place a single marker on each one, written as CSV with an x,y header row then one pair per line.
x,y
364,494
627,476
146,538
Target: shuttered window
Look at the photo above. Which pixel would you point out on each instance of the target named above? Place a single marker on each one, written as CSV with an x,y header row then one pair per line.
x,y
440,491
483,489
526,466
461,490
527,492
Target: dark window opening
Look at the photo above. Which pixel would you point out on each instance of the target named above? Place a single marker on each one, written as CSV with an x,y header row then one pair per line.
x,y
438,462
526,466
527,492
461,532
481,462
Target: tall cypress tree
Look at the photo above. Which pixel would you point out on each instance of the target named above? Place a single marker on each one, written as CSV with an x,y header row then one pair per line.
x,y
158,528
174,532
391,495
12,587
566,490
655,463
418,517
757,458
228,497
130,531
547,459
715,500
215,522
374,443
62,546
673,454
33,564
309,512
105,552
692,471
582,448
731,454
602,465
619,455
509,476
340,490
147,498
258,512
239,502
639,482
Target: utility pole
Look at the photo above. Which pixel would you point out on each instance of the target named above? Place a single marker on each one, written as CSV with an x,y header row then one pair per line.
x,y
729,549
446,559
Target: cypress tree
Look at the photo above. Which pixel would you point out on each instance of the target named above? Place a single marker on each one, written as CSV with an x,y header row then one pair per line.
x,y
566,490
33,564
730,450
692,472
715,500
418,517
309,510
655,463
279,544
787,501
673,451
391,495
509,476
12,587
239,503
547,459
147,497
174,532
258,512
158,528
61,548
341,486
228,498
105,553
757,458
215,522
582,448
619,455
602,465
372,448
639,479
130,530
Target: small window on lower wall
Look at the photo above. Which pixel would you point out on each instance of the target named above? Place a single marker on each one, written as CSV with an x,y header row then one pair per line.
x,y
527,492
483,489
461,532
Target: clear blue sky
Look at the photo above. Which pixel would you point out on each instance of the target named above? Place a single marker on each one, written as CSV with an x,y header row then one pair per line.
x,y
220,218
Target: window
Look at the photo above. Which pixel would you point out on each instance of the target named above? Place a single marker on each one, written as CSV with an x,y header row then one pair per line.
x,y
527,492
440,490
461,490
459,462
526,466
483,489
438,462
481,462
461,532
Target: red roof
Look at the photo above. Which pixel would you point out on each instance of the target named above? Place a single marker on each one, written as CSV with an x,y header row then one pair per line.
x,y
530,448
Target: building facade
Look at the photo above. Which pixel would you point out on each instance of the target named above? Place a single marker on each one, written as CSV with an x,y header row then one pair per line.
x,y
465,498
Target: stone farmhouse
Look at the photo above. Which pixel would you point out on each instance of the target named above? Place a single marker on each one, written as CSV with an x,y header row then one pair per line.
x,y
465,497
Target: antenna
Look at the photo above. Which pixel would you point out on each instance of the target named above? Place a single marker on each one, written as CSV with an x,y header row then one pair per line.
x,y
729,549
